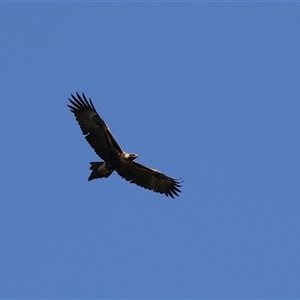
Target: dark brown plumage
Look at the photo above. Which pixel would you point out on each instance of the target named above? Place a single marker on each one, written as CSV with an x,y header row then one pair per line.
x,y
102,141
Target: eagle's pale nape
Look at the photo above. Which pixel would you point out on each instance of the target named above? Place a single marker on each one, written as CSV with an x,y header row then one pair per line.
x,y
102,141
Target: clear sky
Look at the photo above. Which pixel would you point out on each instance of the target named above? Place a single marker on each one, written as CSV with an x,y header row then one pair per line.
x,y
204,91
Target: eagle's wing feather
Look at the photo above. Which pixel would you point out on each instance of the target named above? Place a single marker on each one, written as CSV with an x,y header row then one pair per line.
x,y
93,127
149,178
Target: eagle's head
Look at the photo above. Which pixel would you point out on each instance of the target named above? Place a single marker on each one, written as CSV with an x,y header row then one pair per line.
x,y
130,156
133,156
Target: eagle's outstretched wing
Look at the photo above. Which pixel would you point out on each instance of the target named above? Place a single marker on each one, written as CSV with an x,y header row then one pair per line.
x,y
149,178
93,127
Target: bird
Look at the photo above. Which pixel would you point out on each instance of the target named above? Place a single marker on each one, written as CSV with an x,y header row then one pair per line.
x,y
100,138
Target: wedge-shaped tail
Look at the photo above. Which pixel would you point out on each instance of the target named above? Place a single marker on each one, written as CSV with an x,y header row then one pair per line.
x,y
99,170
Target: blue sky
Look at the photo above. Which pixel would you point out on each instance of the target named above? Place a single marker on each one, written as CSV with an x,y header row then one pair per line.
x,y
204,91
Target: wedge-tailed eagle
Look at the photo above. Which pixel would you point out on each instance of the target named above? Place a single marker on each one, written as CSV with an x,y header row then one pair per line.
x,y
101,140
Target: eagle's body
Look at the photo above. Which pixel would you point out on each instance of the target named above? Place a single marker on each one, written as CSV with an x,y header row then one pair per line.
x,y
101,140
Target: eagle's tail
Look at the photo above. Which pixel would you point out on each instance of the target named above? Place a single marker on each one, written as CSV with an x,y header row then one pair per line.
x,y
99,170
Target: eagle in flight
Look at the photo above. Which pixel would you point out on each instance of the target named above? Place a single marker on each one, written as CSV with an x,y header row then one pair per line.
x,y
102,141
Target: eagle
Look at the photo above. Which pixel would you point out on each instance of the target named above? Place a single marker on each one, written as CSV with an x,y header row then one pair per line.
x,y
102,141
